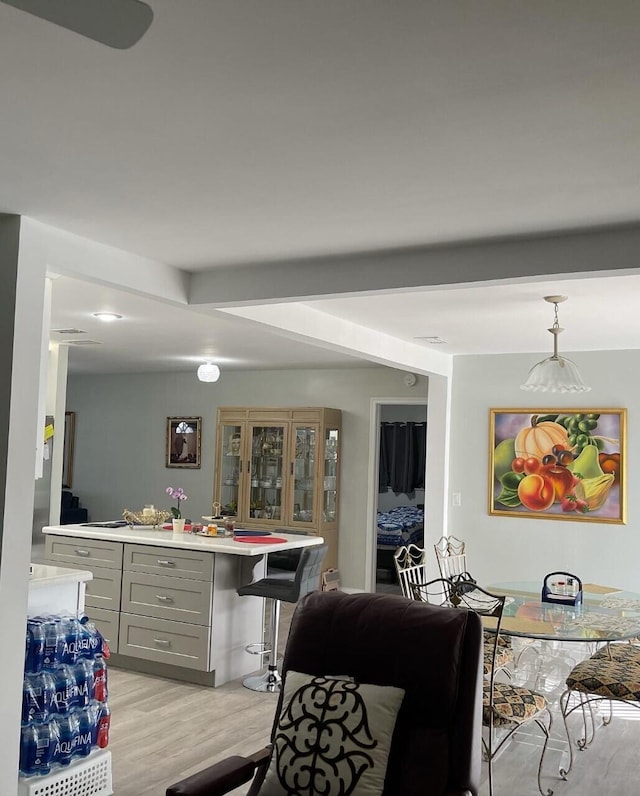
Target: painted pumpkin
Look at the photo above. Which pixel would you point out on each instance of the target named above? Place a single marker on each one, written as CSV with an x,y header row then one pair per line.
x,y
538,439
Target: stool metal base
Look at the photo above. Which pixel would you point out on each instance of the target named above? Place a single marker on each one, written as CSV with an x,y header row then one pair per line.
x,y
268,682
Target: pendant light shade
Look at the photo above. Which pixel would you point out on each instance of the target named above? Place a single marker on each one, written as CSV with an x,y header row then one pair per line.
x,y
556,373
208,372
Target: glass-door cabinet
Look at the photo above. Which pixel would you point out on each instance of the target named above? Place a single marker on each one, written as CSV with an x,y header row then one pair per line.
x,y
265,474
305,499
279,468
230,467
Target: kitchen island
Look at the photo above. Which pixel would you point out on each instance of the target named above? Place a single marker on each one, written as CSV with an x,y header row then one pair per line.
x,y
167,603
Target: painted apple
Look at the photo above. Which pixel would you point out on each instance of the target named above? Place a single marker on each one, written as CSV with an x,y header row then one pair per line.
x,y
536,492
561,477
531,465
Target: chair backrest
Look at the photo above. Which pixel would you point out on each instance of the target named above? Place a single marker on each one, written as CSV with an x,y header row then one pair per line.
x,y
434,592
489,607
451,557
411,567
433,653
309,569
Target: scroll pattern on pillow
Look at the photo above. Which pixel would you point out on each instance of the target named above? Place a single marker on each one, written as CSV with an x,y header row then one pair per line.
x,y
332,738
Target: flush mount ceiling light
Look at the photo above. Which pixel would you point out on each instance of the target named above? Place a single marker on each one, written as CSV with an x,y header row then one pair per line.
x,y
107,316
208,372
556,373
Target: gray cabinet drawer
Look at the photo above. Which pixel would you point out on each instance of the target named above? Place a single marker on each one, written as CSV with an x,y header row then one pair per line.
x,y
194,564
166,597
108,623
103,591
160,640
63,550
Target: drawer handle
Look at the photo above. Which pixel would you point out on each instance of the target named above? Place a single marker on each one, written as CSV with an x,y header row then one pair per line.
x,y
166,562
83,552
164,598
162,642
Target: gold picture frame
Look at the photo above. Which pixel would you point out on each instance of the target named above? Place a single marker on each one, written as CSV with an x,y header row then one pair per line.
x,y
183,442
558,464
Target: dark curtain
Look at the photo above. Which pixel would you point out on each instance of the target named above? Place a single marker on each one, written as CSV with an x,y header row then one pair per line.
x,y
402,456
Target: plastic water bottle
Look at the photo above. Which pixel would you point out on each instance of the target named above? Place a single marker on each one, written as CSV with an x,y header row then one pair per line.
x,y
65,695
38,693
54,640
38,743
68,727
71,631
103,725
91,643
84,682
34,653
87,719
100,688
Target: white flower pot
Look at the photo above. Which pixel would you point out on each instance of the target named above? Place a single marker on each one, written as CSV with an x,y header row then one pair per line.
x,y
178,525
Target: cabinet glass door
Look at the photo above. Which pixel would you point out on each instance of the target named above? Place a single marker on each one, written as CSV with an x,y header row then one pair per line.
x,y
304,475
266,476
330,483
230,468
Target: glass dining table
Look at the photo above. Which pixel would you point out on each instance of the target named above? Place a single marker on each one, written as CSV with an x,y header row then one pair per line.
x,y
605,614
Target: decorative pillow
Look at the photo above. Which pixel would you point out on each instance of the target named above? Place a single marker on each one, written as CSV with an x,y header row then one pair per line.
x,y
332,738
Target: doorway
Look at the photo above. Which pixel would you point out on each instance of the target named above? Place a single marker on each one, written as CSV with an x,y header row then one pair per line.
x,y
399,442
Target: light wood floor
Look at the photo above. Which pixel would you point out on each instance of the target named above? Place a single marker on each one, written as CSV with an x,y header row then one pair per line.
x,y
163,730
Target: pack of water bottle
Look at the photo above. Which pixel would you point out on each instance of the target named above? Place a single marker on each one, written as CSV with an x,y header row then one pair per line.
x,y
65,712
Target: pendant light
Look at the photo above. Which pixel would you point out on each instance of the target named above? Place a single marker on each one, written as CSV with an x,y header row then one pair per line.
x,y
208,372
556,373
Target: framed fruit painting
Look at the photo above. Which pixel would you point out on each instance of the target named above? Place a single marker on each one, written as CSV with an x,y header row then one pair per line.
x,y
558,464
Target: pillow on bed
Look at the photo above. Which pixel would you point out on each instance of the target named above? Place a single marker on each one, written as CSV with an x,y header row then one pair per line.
x,y
332,737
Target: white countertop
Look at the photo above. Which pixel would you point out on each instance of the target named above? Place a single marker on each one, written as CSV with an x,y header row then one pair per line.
x,y
184,541
45,575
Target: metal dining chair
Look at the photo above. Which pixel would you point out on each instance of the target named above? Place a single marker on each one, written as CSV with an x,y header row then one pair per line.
x,y
410,562
452,563
611,674
450,555
505,706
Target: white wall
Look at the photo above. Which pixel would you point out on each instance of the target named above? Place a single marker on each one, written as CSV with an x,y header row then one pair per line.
x,y
22,281
119,455
505,548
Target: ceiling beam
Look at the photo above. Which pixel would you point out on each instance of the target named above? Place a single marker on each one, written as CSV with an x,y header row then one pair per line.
x,y
567,254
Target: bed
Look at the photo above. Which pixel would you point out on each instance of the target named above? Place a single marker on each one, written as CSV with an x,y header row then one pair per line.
x,y
399,526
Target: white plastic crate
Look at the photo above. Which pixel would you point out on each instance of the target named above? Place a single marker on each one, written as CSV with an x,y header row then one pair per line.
x,y
88,777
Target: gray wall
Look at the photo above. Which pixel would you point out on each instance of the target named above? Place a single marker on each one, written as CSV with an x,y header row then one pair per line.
x,y
505,548
119,459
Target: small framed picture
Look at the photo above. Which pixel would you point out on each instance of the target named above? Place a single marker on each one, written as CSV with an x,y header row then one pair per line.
x,y
183,442
558,464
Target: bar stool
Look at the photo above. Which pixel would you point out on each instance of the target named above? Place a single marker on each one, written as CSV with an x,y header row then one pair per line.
x,y
286,587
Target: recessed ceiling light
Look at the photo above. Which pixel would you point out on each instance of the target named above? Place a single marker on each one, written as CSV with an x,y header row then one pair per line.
x,y
107,316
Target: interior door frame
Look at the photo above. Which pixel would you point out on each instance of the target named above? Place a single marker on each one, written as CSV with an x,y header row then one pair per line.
x,y
374,468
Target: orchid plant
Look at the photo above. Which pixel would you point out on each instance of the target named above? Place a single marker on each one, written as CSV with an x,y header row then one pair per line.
x,y
179,495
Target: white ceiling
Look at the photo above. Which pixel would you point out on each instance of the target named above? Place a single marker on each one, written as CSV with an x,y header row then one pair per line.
x,y
241,132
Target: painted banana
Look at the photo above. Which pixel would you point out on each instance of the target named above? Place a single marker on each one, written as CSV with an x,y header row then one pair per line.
x,y
596,490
